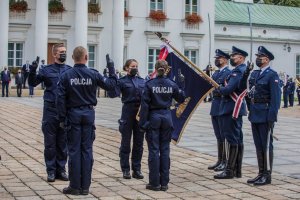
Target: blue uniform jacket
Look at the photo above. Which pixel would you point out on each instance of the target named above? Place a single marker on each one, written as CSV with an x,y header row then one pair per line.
x,y
78,86
130,87
289,88
227,104
264,88
219,77
50,76
158,94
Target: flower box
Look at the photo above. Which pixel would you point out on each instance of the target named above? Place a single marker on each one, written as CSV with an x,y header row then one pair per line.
x,y
18,6
158,16
56,7
94,8
193,19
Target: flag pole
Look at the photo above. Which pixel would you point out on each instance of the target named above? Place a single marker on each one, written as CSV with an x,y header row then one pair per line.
x,y
205,76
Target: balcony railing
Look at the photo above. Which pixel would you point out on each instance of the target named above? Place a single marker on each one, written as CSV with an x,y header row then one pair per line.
x,y
57,17
157,24
93,18
192,26
17,15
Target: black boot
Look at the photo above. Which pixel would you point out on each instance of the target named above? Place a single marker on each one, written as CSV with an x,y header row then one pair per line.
x,y
220,146
228,173
267,169
223,163
239,161
260,161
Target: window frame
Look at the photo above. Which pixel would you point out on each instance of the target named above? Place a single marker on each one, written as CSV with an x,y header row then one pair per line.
x,y
156,5
189,55
297,65
191,5
156,51
95,55
15,58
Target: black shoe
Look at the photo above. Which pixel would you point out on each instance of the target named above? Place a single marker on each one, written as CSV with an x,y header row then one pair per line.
x,y
84,192
69,190
62,176
126,175
264,180
137,175
253,180
164,188
51,177
154,188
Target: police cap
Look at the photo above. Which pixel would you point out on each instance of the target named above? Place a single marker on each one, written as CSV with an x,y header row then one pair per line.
x,y
241,52
262,51
220,53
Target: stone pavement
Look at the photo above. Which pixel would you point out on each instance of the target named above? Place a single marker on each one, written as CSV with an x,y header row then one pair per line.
x,y
22,170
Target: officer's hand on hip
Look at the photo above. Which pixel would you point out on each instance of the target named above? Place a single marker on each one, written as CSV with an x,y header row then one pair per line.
x,y
110,65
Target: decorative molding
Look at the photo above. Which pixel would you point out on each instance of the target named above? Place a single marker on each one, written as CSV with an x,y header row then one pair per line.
x,y
17,27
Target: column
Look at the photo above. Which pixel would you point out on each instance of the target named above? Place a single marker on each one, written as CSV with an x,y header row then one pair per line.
x,y
4,16
41,29
81,23
118,33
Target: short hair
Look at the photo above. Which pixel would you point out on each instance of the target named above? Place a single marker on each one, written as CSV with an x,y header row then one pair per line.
x,y
161,63
78,53
56,46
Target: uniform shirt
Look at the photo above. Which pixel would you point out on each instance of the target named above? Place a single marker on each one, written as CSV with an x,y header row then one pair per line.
x,y
131,89
265,93
50,76
158,94
78,86
227,104
219,76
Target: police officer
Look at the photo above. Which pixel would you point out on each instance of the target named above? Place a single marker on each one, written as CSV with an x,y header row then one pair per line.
x,y
288,92
55,140
265,94
155,117
232,122
131,87
297,81
75,100
221,61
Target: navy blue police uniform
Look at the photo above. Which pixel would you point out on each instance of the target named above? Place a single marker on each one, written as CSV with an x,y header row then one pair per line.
x,y
298,92
291,90
75,100
219,76
131,88
232,128
155,117
265,94
55,140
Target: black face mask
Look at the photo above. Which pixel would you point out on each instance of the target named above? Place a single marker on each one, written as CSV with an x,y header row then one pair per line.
x,y
232,62
217,63
133,72
258,62
62,57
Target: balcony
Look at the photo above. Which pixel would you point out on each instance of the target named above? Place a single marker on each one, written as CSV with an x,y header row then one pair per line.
x,y
17,15
55,17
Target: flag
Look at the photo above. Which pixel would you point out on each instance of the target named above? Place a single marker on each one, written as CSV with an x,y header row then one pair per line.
x,y
195,87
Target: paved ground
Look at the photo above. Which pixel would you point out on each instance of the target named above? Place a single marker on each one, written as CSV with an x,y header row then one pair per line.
x,y
22,170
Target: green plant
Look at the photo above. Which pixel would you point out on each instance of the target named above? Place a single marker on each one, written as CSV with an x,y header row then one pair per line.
x,y
18,6
94,8
55,7
157,15
193,19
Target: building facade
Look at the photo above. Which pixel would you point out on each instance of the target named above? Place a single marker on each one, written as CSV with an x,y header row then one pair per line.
x,y
124,29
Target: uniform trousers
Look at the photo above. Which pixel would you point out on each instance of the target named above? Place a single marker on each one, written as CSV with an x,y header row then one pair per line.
x,y
81,135
158,138
55,140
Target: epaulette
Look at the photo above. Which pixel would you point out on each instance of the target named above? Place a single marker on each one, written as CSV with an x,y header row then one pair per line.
x,y
93,69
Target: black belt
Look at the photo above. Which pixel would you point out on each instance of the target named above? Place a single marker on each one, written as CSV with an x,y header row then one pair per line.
x,y
151,109
260,100
84,106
